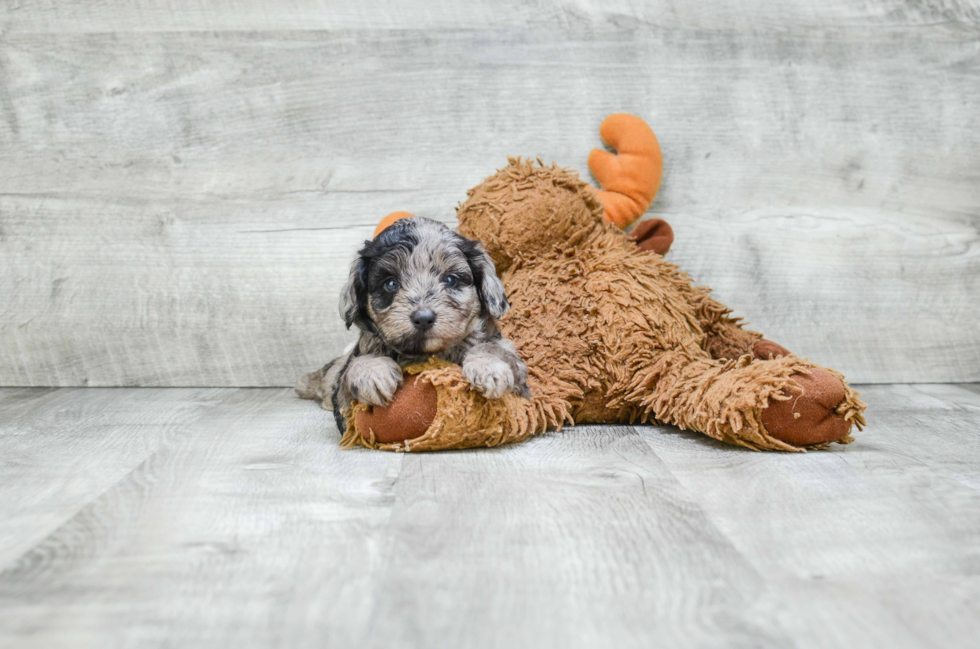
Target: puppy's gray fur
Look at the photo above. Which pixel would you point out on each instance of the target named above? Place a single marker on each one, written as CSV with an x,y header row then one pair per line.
x,y
416,266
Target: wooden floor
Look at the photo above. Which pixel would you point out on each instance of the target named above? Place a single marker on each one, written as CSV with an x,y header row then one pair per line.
x,y
230,517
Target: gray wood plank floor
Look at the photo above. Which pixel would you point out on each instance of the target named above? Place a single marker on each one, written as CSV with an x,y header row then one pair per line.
x,y
229,517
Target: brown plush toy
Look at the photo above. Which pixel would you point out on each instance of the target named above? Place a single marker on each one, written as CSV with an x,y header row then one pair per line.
x,y
610,331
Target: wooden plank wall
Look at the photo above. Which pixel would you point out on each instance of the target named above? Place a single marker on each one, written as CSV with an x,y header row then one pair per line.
x,y
182,183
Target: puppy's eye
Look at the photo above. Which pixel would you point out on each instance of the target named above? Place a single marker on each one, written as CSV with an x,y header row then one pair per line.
x,y
450,280
391,285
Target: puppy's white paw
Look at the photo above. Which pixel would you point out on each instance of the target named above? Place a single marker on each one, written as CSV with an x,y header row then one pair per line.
x,y
490,376
373,379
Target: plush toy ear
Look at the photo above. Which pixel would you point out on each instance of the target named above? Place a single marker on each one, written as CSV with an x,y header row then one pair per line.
x,y
353,297
488,285
655,235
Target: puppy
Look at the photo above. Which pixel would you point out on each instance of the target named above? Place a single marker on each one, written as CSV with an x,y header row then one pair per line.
x,y
418,290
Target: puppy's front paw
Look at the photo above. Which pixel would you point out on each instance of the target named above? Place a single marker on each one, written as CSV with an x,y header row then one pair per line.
x,y
490,376
373,379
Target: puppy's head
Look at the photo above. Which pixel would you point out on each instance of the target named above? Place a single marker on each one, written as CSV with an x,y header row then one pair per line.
x,y
421,287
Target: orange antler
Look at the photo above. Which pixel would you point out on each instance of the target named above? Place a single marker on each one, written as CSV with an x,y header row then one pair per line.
x,y
391,218
631,176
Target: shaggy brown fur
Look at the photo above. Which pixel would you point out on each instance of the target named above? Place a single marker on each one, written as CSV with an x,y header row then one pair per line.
x,y
609,332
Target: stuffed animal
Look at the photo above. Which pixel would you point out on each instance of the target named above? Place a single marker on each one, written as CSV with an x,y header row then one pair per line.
x,y
611,332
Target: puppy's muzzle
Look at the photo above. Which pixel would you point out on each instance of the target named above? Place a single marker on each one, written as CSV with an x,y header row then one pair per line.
x,y
423,319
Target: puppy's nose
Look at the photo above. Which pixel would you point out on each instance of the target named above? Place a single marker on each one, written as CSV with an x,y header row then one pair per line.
x,y
423,319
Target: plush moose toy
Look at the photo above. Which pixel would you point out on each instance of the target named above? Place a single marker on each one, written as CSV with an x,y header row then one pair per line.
x,y
610,331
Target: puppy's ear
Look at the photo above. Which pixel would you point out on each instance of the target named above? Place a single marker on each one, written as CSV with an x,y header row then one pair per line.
x,y
353,297
488,285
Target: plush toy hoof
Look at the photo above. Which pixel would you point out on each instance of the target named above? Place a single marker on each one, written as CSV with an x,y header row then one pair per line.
x,y
810,416
408,416
767,349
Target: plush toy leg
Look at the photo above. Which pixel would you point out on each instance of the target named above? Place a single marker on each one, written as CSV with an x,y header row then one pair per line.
x,y
436,409
725,336
782,404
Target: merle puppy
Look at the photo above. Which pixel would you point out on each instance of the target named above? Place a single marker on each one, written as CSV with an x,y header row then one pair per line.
x,y
418,290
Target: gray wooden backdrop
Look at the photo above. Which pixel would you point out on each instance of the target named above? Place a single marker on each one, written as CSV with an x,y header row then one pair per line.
x,y
182,183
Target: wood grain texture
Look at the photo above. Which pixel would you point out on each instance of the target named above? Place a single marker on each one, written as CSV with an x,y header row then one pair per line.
x,y
835,534
242,527
47,460
579,539
183,184
216,517
78,16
